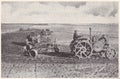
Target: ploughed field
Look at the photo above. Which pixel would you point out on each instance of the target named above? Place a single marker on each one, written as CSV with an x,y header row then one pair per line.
x,y
50,65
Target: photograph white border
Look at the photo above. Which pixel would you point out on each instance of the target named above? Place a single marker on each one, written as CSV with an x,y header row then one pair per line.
x,y
65,1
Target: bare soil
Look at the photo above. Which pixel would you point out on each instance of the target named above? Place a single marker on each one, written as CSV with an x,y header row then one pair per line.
x,y
50,65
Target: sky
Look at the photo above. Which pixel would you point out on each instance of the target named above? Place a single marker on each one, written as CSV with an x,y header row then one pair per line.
x,y
59,12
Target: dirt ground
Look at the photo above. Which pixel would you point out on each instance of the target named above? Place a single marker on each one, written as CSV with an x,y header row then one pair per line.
x,y
58,67
50,65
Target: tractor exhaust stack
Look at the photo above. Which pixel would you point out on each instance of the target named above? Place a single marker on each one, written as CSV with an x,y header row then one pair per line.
x,y
90,35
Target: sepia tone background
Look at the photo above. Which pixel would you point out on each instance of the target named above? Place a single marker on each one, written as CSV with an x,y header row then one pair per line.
x,y
62,18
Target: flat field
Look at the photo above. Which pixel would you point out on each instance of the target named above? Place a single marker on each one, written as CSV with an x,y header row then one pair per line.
x,y
54,65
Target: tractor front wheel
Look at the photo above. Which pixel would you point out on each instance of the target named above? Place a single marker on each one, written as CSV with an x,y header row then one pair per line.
x,y
110,53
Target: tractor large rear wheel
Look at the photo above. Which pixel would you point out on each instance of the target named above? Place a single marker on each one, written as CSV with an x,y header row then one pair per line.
x,y
82,49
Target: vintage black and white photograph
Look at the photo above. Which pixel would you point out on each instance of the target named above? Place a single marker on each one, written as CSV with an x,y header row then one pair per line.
x,y
59,39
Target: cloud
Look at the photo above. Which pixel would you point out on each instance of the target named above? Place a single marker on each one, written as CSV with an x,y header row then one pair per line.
x,y
59,12
102,9
74,4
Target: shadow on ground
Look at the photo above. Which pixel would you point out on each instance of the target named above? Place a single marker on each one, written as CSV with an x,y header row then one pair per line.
x,y
19,43
59,54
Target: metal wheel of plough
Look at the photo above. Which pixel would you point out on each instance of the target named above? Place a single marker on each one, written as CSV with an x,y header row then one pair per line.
x,y
82,49
33,53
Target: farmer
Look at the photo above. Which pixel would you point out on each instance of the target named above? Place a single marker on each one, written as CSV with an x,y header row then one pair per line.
x,y
30,39
103,37
106,45
30,42
75,35
38,38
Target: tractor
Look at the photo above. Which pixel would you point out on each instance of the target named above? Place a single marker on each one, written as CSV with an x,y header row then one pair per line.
x,y
87,47
39,42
